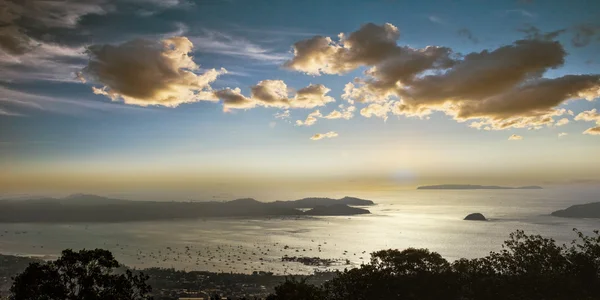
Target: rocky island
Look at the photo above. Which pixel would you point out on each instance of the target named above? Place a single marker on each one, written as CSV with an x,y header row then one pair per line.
x,y
589,210
476,187
475,217
91,208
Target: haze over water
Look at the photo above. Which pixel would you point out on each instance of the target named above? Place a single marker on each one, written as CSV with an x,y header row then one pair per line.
x,y
401,219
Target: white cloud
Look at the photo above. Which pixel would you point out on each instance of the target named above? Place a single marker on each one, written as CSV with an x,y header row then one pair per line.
x,y
377,110
590,116
562,122
275,93
515,137
311,119
562,134
212,41
319,136
283,114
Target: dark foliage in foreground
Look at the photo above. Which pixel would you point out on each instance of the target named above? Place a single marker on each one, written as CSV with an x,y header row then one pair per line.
x,y
83,275
528,267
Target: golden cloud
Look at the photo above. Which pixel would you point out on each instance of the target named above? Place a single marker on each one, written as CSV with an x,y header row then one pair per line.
x,y
319,136
275,93
498,89
515,137
590,116
143,72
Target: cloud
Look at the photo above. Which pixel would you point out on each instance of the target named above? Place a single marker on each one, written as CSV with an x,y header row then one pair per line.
x,y
212,41
371,45
521,12
311,119
17,102
584,34
466,33
498,88
20,18
435,19
377,110
5,112
275,93
144,72
515,137
590,116
561,122
344,113
282,115
319,136
592,131
272,124
581,34
562,134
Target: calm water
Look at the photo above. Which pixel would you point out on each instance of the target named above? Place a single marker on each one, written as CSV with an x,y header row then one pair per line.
x,y
429,219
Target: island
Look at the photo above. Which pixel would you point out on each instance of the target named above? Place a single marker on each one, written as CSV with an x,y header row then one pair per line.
x,y
476,187
91,208
589,210
336,210
475,217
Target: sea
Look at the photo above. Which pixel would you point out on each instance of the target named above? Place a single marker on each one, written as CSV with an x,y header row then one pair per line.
x,y
400,219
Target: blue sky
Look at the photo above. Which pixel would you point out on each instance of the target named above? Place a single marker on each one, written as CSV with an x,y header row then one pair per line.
x,y
53,126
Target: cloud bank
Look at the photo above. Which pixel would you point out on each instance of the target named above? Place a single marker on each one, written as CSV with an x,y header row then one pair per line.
x,y
495,89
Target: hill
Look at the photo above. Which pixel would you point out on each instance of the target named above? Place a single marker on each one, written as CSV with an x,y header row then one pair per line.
x,y
316,201
589,210
91,208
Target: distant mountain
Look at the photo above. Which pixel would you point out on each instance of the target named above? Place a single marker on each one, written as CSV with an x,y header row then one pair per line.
x,y
336,210
315,201
92,208
475,187
589,210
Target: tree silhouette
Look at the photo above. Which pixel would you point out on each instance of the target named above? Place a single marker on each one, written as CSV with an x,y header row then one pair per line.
x,y
87,274
528,267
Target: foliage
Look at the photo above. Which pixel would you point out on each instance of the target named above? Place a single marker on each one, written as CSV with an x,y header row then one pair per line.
x,y
528,267
87,274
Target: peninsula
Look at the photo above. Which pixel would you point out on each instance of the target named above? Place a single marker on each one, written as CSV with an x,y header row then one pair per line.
x,y
589,210
92,208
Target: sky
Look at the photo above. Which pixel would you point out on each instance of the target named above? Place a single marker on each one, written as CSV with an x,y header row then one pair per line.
x,y
212,97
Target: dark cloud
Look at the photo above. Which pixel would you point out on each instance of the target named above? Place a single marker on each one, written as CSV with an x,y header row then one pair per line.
x,y
466,33
584,34
533,33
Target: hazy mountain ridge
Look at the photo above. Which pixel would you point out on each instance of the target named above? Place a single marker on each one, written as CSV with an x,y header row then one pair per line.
x,y
588,210
91,208
476,187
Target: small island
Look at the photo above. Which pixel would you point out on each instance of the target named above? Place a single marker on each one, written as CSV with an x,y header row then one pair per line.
x,y
476,187
475,217
589,210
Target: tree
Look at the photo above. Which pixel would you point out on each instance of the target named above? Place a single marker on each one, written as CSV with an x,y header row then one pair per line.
x,y
87,274
293,289
528,267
